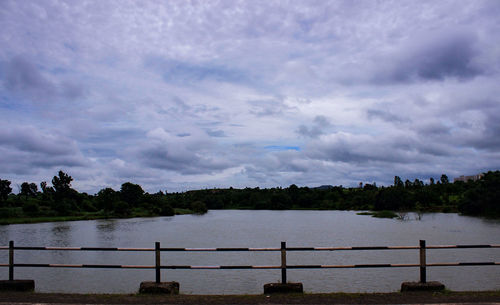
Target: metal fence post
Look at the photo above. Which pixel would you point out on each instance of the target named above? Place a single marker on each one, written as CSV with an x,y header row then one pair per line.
x,y
423,263
11,260
157,262
283,262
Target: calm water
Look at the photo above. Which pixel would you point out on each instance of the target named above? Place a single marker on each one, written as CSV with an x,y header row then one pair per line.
x,y
256,229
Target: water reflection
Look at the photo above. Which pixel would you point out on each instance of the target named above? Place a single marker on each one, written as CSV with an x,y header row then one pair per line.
x,y
60,230
61,234
106,229
168,218
409,216
106,226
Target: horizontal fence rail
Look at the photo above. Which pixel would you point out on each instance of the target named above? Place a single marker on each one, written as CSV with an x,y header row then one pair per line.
x,y
78,249
422,264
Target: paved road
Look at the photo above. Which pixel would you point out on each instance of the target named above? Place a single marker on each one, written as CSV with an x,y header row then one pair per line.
x,y
10,303
473,298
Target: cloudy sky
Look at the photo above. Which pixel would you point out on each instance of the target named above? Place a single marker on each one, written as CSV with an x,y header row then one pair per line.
x,y
183,95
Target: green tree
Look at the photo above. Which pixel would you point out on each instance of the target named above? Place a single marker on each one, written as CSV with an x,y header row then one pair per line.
x,y
398,182
29,190
293,192
131,193
44,187
444,179
426,197
64,206
47,194
483,197
417,183
199,207
408,184
31,208
65,198
106,199
62,182
5,190
392,198
280,201
121,208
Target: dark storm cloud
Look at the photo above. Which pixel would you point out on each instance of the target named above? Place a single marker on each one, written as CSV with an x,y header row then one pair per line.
x,y
24,78
385,116
322,121
216,133
453,56
364,149
347,148
180,105
58,161
271,107
489,138
310,132
27,149
180,160
448,54
72,90
434,129
318,127
15,162
31,140
434,149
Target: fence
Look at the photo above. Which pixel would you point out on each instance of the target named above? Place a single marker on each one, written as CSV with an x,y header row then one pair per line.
x,y
422,264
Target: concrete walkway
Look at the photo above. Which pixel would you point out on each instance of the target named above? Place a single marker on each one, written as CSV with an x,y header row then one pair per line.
x,y
10,303
447,297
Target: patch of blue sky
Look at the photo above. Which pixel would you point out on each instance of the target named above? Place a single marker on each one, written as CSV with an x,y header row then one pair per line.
x,y
281,148
197,73
179,71
15,103
70,46
98,151
59,70
2,69
109,60
216,133
109,135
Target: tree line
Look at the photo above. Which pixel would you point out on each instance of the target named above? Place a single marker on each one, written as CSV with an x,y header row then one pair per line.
x,y
61,199
470,198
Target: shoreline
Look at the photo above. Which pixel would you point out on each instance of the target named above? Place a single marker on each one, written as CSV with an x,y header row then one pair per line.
x,y
43,219
379,214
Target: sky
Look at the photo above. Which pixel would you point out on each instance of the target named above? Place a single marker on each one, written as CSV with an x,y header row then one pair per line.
x,y
179,95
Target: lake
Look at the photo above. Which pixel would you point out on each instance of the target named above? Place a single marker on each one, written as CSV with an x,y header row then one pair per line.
x,y
244,228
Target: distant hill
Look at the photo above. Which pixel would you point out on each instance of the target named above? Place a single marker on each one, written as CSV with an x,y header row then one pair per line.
x,y
323,187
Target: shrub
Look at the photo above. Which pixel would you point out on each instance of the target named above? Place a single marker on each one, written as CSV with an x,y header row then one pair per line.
x,y
31,208
199,207
167,210
385,214
9,212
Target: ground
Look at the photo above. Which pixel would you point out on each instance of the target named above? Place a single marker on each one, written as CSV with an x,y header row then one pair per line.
x,y
334,298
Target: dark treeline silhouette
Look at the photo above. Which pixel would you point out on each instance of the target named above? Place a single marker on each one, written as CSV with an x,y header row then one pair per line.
x,y
472,198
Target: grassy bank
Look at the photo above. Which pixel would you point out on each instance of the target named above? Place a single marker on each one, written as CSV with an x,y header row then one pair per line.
x,y
380,214
21,220
87,216
178,211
